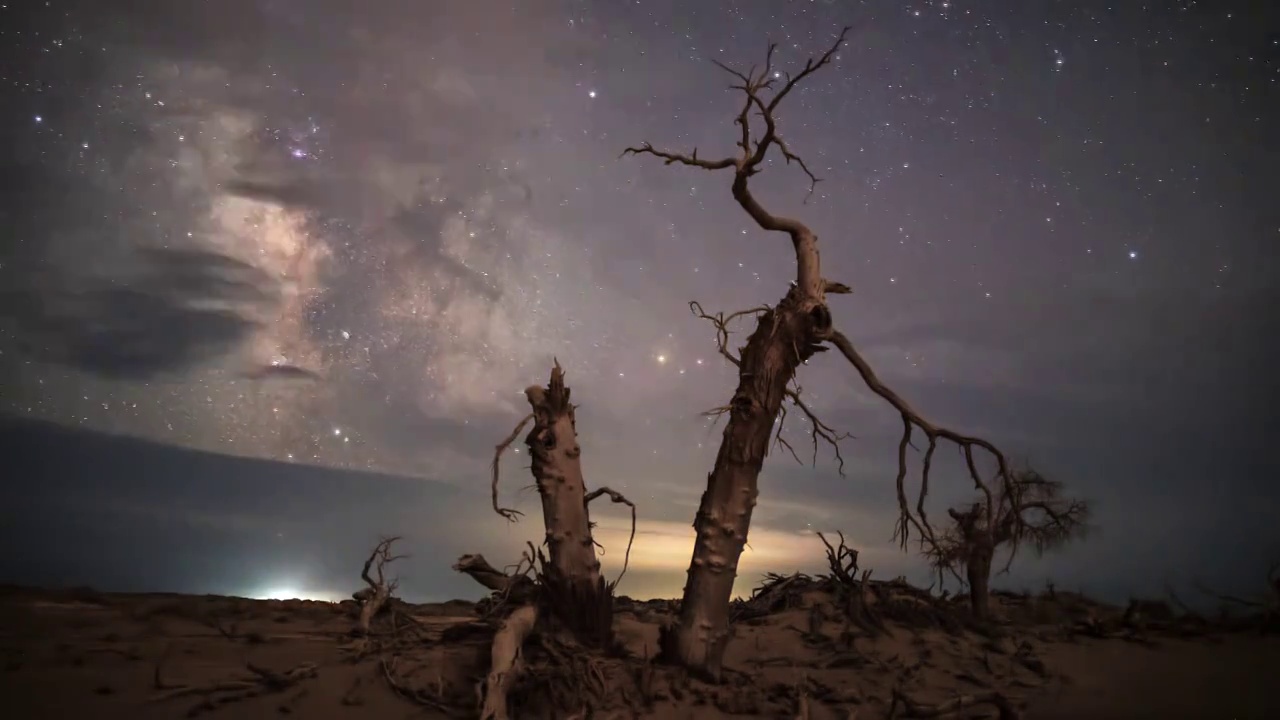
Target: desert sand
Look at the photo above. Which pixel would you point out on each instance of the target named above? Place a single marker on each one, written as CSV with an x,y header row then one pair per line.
x,y
802,648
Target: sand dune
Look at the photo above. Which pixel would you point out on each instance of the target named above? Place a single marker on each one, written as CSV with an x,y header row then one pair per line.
x,y
795,654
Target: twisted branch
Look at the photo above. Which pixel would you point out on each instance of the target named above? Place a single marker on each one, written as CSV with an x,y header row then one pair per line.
x,y
721,323
618,498
919,520
511,514
753,150
821,430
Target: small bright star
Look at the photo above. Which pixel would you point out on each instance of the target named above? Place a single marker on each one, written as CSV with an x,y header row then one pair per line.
x,y
591,93
1133,254
39,118
662,358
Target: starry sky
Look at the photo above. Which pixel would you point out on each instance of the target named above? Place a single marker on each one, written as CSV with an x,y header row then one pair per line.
x,y
340,238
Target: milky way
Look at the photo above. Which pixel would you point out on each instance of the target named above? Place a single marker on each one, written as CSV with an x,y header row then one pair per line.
x,y
349,234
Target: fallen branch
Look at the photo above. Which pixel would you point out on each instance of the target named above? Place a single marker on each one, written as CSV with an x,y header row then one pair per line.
x,y
482,572
912,709
506,662
414,695
261,681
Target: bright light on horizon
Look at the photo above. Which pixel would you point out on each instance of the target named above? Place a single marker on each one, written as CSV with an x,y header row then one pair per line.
x,y
286,592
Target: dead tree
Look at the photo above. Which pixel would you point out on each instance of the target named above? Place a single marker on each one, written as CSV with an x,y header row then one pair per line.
x,y
567,596
1027,508
1265,609
786,335
374,598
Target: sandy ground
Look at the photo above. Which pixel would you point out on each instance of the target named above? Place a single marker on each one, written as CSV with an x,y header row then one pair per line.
x,y
82,654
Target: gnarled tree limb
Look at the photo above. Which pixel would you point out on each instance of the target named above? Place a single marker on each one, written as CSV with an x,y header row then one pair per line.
x,y
911,419
619,499
375,597
785,336
510,514
753,151
721,323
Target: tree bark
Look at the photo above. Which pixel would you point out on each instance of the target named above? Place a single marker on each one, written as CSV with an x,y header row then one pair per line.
x,y
557,469
782,339
506,662
978,569
573,590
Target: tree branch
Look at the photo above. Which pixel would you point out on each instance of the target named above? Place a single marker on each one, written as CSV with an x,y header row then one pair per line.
x,y
753,152
482,572
821,430
510,514
933,433
690,159
721,323
620,499
378,560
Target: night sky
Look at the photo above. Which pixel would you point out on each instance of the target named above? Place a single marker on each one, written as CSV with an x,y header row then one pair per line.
x,y
342,237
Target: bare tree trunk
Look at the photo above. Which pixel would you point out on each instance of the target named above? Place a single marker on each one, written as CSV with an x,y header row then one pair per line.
x,y
978,569
570,594
785,336
557,468
573,591
375,597
781,341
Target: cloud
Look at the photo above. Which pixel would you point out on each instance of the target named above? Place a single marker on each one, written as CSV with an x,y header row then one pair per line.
x,y
166,311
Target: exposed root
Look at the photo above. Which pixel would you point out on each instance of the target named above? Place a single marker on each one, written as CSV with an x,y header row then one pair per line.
x,y
842,560
260,681
912,709
415,695
777,592
506,662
